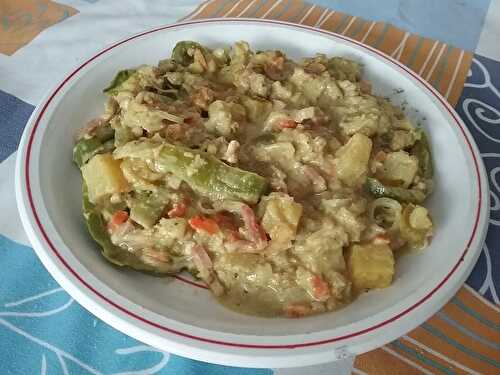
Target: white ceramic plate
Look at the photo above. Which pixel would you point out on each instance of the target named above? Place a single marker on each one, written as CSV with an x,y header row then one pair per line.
x,y
181,317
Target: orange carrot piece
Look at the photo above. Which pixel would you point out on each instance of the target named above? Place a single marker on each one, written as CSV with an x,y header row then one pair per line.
x,y
201,223
118,218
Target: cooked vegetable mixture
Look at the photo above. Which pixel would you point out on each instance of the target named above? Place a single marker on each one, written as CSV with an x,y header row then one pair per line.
x,y
287,187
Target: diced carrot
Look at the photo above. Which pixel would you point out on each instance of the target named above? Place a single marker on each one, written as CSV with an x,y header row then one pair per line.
x,y
118,218
297,310
204,224
178,210
287,124
321,290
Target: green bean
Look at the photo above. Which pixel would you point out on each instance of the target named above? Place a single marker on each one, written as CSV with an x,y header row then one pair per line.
x,y
421,150
209,176
377,189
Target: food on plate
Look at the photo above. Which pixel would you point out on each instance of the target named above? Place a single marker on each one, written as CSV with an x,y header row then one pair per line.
x,y
287,187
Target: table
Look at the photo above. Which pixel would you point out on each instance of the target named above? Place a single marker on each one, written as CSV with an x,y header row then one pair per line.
x,y
41,40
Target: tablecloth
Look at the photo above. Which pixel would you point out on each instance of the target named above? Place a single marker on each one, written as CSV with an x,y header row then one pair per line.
x,y
453,44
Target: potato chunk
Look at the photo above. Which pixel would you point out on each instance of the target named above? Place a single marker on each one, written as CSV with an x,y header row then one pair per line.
x,y
400,168
371,266
419,218
103,175
352,159
281,218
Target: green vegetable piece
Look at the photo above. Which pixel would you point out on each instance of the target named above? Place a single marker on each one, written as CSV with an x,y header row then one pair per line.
x,y
85,149
209,176
377,189
422,151
96,226
180,52
101,142
120,77
146,208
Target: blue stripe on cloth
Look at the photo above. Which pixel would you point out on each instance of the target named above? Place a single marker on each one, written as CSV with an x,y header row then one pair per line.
x,y
257,8
14,113
474,314
442,66
358,28
467,331
381,37
413,56
218,11
287,4
436,332
428,361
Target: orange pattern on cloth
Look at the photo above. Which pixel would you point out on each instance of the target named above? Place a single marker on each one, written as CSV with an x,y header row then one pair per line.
x,y
437,346
22,20
463,338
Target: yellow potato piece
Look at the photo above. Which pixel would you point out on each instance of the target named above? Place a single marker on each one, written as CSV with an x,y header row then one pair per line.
x,y
419,218
281,217
400,168
371,266
103,176
352,159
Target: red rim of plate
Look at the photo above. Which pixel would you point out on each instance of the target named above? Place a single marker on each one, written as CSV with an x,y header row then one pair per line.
x,y
235,344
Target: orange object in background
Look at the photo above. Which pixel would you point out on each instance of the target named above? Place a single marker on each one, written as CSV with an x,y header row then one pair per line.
x,y
23,20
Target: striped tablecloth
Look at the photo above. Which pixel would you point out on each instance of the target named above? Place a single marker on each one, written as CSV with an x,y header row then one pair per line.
x,y
453,45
